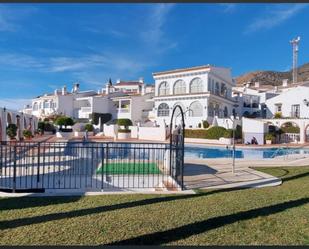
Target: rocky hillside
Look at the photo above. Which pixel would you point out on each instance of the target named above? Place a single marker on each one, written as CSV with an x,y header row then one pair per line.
x,y
272,77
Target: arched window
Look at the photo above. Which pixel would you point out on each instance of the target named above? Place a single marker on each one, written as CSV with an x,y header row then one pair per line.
x,y
196,109
217,89
35,106
225,112
164,89
179,87
211,109
196,86
163,110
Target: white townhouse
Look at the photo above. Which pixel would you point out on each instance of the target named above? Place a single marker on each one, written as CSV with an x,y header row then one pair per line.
x,y
59,102
125,99
203,92
251,100
292,102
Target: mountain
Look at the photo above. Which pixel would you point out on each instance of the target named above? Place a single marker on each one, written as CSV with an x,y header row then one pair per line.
x,y
273,78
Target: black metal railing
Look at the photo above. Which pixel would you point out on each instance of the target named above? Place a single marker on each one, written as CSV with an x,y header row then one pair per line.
x,y
89,166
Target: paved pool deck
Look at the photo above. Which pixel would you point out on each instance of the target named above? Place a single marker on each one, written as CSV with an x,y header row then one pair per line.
x,y
209,174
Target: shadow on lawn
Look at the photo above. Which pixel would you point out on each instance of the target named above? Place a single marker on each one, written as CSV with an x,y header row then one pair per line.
x,y
31,202
206,225
77,213
285,179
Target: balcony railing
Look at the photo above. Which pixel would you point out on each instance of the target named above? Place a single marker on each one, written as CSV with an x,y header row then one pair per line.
x,y
123,110
85,109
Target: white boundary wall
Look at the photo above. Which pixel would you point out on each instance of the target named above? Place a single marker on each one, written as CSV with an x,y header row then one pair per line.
x,y
152,133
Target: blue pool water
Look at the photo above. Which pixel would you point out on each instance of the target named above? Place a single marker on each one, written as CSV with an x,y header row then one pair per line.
x,y
256,153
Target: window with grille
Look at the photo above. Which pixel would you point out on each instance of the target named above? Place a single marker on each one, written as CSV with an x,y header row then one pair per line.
x,y
163,110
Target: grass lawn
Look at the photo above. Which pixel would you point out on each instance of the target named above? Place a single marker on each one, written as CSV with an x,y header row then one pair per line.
x,y
129,168
269,216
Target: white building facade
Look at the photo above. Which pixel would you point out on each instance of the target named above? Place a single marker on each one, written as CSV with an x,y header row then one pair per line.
x,y
203,92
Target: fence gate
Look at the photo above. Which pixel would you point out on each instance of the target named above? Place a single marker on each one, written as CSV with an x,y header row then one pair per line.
x,y
177,137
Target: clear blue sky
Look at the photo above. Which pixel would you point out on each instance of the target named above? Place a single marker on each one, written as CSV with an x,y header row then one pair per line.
x,y
45,46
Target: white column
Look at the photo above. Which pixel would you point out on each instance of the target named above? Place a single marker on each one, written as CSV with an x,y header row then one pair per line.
x,y
302,131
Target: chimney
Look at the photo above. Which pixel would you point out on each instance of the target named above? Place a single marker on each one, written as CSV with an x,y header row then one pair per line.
x,y
143,91
285,82
257,84
56,92
275,88
64,90
141,80
248,84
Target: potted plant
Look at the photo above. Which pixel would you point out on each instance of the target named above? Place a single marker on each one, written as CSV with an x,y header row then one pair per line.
x,y
41,127
269,138
27,134
11,131
124,132
89,127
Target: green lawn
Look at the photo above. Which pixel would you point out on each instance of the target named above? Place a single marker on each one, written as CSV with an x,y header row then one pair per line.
x,y
268,216
129,168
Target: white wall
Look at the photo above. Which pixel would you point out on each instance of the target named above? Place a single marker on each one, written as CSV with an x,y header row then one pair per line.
x,y
253,128
152,133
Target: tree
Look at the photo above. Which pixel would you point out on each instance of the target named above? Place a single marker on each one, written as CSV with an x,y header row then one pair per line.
x,y
64,121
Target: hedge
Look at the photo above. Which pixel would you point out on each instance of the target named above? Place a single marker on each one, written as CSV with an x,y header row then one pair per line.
x,y
212,133
228,133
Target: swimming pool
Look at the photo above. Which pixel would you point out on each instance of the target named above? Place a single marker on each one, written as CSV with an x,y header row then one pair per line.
x,y
246,153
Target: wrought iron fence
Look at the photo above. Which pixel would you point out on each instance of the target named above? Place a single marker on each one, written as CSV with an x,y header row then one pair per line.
x,y
89,166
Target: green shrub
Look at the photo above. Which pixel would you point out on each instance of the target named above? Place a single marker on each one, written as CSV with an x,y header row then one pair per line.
x,y
124,122
269,136
278,115
228,133
205,124
64,121
124,130
212,133
11,131
89,127
27,133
